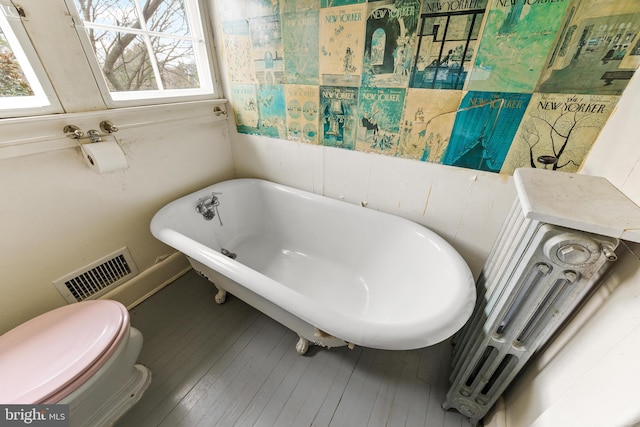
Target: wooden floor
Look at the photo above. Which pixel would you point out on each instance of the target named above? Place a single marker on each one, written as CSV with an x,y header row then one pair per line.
x,y
230,365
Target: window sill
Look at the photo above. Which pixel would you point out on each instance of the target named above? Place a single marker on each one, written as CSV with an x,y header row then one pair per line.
x,y
37,134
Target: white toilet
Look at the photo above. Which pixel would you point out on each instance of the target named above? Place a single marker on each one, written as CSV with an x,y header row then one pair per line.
x,y
83,354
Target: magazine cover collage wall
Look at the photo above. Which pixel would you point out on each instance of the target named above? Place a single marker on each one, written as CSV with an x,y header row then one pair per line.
x,y
482,84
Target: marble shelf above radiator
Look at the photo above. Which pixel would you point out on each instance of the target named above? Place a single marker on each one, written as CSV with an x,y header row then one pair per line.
x,y
581,202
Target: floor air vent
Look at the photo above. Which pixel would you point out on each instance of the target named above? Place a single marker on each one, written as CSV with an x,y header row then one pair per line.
x,y
97,278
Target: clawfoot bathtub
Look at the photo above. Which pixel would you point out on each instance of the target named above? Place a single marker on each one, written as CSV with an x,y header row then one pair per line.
x,y
334,273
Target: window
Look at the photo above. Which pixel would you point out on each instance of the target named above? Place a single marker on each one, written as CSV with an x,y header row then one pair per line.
x,y
145,49
24,88
115,53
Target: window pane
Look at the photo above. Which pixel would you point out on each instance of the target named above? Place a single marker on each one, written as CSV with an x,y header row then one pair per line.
x,y
170,17
24,88
155,46
176,63
120,13
124,60
13,82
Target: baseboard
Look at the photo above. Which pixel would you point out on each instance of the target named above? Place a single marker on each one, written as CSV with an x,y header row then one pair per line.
x,y
150,281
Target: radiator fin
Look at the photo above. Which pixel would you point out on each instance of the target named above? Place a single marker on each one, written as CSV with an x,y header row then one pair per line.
x,y
533,278
487,356
97,278
504,368
557,292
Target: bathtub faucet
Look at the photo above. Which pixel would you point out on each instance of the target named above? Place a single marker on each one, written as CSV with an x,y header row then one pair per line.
x,y
208,207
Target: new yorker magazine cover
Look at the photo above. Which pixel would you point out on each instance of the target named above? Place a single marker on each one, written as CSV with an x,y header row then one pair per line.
x,y
300,39
341,44
597,51
237,50
379,115
426,126
266,40
516,41
485,125
302,113
338,116
447,43
271,107
558,130
390,42
244,99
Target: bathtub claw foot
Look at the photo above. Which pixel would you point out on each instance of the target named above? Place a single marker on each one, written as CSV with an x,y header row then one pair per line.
x,y
221,296
302,346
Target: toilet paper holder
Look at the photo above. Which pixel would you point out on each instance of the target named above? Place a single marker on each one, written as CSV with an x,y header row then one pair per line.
x,y
101,156
74,132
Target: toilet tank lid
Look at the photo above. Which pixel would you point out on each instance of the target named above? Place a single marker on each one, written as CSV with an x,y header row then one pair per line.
x,y
44,354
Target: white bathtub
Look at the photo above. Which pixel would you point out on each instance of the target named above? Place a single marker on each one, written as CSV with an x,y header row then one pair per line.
x,y
333,272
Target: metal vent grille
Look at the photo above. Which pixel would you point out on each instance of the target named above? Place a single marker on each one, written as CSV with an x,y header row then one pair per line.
x,y
97,278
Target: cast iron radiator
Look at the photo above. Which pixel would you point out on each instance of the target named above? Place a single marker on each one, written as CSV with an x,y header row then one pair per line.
x,y
536,274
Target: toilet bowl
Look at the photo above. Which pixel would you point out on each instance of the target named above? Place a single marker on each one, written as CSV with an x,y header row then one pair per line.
x,y
83,355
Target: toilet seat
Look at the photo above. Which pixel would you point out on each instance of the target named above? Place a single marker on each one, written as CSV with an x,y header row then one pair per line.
x,y
49,356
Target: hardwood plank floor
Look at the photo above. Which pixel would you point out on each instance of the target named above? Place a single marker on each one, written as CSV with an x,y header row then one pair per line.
x,y
230,365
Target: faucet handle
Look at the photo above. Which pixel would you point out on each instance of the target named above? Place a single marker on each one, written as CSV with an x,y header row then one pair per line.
x,y
214,198
208,207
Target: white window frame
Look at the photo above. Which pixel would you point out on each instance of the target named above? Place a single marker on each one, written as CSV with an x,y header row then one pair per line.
x,y
44,100
199,37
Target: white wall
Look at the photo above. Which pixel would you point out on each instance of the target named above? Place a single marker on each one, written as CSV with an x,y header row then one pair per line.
x,y
57,215
590,375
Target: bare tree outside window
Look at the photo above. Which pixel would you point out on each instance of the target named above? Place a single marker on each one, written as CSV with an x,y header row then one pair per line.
x,y
142,45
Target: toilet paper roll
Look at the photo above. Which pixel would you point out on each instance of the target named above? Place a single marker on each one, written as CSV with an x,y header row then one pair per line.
x,y
104,157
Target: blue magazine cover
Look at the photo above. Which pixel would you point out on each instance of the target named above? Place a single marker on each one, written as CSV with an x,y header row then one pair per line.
x,y
484,129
